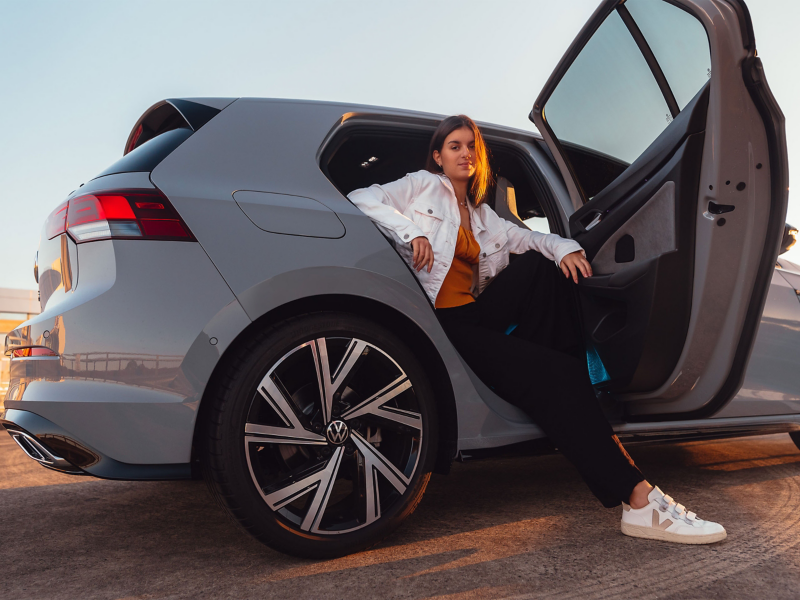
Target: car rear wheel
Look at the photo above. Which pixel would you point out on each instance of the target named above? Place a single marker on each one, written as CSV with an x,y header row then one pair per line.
x,y
321,434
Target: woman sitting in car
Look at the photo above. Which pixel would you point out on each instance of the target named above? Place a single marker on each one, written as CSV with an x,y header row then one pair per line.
x,y
516,324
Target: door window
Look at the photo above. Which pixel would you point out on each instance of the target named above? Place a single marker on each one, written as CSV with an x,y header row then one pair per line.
x,y
679,43
609,107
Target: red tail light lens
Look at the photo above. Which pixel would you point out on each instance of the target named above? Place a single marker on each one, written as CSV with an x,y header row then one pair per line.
x,y
124,214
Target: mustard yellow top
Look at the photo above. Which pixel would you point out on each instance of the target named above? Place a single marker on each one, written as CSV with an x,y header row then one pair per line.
x,y
455,290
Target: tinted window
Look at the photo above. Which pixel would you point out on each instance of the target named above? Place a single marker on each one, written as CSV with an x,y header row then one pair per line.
x,y
608,107
679,43
608,100
146,157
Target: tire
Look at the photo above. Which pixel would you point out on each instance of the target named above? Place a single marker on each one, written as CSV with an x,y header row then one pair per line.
x,y
320,435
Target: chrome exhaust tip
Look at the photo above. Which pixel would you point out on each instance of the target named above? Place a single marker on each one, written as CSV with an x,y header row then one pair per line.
x,y
38,452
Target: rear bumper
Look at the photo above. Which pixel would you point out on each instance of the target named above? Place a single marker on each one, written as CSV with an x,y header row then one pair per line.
x,y
56,449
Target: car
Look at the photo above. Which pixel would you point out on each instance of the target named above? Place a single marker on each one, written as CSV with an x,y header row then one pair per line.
x,y
213,305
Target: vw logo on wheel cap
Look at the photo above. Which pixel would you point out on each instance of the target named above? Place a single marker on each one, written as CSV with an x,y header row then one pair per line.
x,y
337,432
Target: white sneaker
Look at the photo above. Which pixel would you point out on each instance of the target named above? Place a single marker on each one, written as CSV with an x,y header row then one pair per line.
x,y
663,519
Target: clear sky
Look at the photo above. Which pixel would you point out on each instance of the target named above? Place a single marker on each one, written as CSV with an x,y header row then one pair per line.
x,y
75,76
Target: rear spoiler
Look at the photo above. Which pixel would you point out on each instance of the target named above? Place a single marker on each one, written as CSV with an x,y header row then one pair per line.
x,y
170,114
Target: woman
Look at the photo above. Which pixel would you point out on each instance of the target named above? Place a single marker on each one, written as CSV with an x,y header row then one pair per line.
x,y
520,333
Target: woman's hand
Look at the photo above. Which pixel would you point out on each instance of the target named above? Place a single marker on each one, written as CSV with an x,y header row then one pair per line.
x,y
574,262
423,253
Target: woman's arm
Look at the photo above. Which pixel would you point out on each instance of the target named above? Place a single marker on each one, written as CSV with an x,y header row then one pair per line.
x,y
567,254
551,245
385,204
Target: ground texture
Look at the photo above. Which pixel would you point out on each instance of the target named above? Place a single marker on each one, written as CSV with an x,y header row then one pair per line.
x,y
502,528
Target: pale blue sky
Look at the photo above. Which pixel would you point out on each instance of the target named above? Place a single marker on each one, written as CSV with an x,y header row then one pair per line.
x,y
75,76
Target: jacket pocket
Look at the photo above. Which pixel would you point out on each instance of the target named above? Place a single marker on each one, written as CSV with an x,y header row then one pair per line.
x,y
427,216
494,255
497,243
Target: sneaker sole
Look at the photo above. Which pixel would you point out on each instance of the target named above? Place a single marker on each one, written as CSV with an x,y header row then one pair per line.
x,y
649,533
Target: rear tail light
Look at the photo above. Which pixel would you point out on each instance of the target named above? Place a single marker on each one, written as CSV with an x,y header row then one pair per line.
x,y
29,352
118,214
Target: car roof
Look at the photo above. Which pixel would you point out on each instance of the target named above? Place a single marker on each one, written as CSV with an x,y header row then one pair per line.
x,y
346,107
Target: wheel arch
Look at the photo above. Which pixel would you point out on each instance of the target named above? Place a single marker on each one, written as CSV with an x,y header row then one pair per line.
x,y
392,319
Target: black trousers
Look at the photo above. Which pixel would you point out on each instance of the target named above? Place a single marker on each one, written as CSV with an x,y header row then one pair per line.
x,y
541,367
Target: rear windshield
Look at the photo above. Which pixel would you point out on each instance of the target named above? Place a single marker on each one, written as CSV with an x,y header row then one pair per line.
x,y
146,157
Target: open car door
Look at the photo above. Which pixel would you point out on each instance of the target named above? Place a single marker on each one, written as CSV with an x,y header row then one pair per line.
x,y
674,154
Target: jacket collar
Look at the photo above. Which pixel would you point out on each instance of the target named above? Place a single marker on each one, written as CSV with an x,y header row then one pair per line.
x,y
474,213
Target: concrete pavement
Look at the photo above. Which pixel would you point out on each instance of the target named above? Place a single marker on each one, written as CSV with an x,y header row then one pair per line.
x,y
501,528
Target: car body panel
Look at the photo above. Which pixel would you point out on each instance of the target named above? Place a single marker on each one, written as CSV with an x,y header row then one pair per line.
x,y
130,390
289,215
772,381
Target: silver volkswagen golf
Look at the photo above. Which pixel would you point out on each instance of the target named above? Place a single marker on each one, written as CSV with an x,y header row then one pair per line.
x,y
212,303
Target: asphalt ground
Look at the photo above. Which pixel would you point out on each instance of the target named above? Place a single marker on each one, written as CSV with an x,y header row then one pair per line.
x,y
500,528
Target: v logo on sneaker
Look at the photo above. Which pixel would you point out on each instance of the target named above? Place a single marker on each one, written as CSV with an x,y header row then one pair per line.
x,y
656,524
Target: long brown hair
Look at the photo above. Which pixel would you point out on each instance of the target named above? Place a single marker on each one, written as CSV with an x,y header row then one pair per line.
x,y
479,183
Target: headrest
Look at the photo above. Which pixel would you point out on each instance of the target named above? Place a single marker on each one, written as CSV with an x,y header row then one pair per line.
x,y
505,202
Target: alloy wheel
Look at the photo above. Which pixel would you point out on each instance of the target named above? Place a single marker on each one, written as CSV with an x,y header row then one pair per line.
x,y
333,435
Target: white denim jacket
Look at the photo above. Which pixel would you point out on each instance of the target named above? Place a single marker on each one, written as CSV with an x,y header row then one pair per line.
x,y
424,204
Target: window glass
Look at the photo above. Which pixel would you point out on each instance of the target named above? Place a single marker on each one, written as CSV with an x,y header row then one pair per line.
x,y
678,41
146,157
608,108
608,101
539,224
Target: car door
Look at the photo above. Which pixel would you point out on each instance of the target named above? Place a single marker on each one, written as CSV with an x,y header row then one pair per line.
x,y
674,154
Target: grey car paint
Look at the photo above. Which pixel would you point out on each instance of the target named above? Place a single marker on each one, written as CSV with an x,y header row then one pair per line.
x,y
289,215
772,381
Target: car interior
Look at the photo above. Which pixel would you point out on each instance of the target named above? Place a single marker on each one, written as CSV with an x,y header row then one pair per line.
x,y
365,158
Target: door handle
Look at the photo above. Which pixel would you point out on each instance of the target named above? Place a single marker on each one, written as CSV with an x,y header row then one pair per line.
x,y
591,220
594,222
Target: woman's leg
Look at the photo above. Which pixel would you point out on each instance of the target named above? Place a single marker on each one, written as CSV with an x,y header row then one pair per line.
x,y
533,294
541,367
554,389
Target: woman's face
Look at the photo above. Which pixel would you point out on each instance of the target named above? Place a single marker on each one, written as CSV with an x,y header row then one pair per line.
x,y
457,157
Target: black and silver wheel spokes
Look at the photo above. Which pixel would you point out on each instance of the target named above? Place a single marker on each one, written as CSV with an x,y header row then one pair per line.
x,y
329,383
320,483
333,435
376,406
292,431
